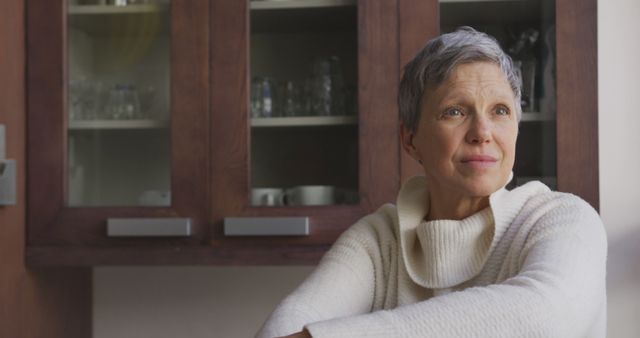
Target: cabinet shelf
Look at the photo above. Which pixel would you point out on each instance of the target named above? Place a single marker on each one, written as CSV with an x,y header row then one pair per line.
x,y
535,116
78,10
117,124
481,1
305,121
312,121
291,4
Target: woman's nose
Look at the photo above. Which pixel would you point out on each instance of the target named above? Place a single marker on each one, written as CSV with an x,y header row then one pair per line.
x,y
479,130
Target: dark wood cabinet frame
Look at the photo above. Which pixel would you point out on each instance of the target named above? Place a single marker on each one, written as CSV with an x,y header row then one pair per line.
x,y
52,226
210,133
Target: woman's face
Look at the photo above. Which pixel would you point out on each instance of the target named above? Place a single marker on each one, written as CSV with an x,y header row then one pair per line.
x,y
466,136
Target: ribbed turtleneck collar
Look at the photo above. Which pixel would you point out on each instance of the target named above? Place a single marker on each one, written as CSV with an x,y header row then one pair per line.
x,y
444,253
454,251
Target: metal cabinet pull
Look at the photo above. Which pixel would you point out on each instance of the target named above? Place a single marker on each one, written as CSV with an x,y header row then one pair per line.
x,y
266,226
149,227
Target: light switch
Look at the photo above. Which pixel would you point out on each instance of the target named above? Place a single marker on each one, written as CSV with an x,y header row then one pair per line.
x,y
3,154
7,182
7,174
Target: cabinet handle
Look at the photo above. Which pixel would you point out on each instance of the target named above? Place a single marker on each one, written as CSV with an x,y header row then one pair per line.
x,y
266,226
149,227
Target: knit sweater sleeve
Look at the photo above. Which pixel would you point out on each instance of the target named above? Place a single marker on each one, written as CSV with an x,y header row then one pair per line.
x,y
341,285
558,291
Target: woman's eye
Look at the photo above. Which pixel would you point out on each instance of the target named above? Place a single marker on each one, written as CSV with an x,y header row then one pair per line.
x,y
453,112
502,111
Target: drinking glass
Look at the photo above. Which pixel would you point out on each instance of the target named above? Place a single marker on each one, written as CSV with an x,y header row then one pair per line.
x,y
256,98
268,97
327,87
263,97
85,99
76,99
148,104
337,87
123,103
291,99
321,88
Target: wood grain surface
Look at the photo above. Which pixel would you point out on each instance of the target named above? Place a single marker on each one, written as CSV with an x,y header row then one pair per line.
x,y
51,302
419,21
51,222
577,86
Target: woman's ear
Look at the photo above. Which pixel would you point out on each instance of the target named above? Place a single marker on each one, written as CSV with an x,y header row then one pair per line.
x,y
406,138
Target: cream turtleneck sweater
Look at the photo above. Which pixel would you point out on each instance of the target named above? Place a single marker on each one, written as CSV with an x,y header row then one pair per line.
x,y
532,264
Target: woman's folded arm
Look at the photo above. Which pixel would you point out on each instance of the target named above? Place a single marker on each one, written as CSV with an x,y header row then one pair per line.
x,y
558,292
342,285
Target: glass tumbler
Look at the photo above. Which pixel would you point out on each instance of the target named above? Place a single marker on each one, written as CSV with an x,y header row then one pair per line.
x,y
327,92
148,104
256,98
338,106
76,99
321,88
267,97
123,103
292,99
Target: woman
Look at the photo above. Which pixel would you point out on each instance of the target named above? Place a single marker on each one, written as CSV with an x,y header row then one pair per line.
x,y
459,255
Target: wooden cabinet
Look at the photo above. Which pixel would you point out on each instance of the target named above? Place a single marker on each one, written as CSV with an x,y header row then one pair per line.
x,y
63,232
221,150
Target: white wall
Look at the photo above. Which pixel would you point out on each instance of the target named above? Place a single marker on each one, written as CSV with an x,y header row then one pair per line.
x,y
619,114
233,301
189,302
619,151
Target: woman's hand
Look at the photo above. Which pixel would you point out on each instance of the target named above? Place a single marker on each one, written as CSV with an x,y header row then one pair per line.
x,y
302,334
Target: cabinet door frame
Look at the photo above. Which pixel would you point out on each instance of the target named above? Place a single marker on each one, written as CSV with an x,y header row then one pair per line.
x,y
577,98
53,224
378,135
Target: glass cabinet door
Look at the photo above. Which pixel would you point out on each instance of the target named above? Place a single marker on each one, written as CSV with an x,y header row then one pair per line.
x,y
117,120
118,90
305,122
525,30
303,102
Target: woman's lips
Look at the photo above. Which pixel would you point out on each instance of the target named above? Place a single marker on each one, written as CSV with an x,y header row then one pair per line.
x,y
479,161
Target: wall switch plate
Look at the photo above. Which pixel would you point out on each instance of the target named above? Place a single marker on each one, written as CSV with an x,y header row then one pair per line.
x,y
7,173
7,182
3,154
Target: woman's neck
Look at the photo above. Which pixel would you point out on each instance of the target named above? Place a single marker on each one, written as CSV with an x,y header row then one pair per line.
x,y
450,206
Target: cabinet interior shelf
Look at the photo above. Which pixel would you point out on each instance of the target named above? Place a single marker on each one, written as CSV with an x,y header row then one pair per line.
x,y
291,4
117,124
467,1
305,121
111,9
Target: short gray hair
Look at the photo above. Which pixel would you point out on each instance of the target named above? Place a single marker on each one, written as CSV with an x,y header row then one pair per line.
x,y
433,64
